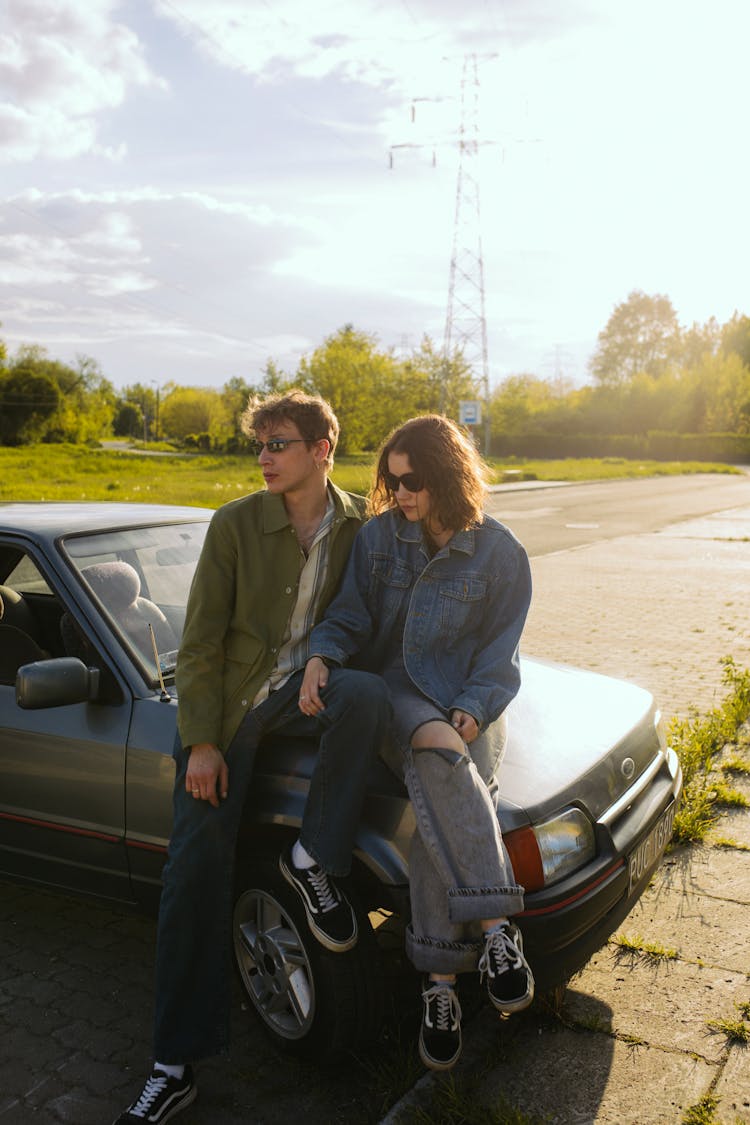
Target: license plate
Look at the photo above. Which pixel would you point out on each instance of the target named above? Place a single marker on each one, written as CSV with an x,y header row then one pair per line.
x,y
649,850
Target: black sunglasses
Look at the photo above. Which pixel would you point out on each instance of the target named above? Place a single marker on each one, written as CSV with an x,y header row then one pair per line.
x,y
412,482
275,445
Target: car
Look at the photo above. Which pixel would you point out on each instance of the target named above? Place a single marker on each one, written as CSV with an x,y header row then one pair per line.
x,y
94,598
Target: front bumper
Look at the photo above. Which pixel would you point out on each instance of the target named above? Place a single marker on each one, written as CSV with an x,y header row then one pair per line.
x,y
565,924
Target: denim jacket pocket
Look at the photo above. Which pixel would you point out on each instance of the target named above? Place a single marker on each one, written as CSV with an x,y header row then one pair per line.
x,y
390,581
461,598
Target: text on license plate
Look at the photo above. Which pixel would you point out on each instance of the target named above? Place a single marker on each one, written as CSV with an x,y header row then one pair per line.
x,y
648,851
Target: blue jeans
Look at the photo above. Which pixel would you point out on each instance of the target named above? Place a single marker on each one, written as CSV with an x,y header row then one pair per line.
x,y
459,869
193,955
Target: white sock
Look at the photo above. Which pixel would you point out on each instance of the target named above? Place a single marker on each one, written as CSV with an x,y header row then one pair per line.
x,y
498,926
301,858
172,1071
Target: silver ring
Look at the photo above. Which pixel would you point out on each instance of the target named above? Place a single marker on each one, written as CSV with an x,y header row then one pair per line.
x,y
303,699
196,791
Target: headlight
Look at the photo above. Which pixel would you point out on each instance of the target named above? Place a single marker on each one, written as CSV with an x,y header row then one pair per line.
x,y
550,851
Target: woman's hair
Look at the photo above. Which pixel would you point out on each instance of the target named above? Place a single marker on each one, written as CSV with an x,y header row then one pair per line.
x,y
312,416
446,460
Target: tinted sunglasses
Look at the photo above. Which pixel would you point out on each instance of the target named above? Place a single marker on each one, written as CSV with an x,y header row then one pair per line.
x,y
275,445
412,482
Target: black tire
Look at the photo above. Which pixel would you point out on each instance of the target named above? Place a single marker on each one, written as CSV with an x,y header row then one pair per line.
x,y
310,1001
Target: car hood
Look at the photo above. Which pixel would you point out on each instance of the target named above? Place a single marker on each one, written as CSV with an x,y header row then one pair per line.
x,y
574,737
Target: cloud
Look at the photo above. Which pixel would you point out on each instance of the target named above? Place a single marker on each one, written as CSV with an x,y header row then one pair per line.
x,y
62,64
393,43
117,267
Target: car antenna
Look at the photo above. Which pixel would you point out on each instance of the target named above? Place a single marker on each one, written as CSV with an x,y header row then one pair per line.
x,y
165,697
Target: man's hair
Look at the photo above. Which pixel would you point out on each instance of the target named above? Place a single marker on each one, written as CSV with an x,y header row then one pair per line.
x,y
312,416
447,461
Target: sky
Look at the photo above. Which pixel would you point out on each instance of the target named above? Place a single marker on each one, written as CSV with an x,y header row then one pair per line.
x,y
191,188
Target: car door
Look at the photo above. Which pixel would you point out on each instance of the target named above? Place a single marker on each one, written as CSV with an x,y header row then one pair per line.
x,y
62,769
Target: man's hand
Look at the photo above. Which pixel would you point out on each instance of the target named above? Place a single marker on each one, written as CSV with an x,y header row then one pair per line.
x,y
465,724
207,775
313,682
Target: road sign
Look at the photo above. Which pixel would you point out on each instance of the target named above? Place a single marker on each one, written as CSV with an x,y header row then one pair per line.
x,y
470,412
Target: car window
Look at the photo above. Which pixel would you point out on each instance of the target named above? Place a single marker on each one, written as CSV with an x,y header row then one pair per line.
x,y
141,579
26,579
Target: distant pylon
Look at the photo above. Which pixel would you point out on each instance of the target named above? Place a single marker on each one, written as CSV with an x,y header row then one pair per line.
x,y
465,320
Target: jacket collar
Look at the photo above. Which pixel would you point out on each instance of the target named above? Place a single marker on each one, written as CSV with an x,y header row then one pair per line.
x,y
412,533
275,516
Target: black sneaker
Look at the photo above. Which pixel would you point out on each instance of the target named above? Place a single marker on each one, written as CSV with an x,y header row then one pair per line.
x,y
160,1099
510,983
440,1033
329,913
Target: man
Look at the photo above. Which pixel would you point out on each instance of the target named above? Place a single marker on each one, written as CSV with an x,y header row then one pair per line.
x,y
270,565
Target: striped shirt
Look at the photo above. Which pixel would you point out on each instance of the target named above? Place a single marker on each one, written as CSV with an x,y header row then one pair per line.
x,y
294,651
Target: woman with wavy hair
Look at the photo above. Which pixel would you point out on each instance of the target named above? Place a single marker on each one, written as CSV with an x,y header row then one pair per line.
x,y
434,598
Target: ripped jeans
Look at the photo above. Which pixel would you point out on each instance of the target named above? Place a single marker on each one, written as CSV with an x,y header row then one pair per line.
x,y
459,870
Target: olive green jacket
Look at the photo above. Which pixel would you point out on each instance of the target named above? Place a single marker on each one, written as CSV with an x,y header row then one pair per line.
x,y
243,591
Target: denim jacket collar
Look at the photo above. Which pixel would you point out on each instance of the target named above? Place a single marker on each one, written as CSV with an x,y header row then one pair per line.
x,y
412,533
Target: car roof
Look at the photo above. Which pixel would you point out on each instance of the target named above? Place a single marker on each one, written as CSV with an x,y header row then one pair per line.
x,y
51,519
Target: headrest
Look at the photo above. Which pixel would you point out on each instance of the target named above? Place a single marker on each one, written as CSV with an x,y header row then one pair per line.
x,y
14,610
116,584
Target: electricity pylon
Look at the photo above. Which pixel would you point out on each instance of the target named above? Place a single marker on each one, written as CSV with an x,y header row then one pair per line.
x,y
465,319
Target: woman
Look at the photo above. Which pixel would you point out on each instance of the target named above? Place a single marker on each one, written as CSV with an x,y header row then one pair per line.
x,y
434,598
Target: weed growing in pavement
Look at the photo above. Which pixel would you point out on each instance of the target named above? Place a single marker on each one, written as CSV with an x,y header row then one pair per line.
x,y
702,1113
736,1031
736,764
652,950
453,1102
730,844
727,797
697,741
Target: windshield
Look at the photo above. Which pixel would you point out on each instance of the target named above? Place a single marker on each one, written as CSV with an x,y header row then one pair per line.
x,y
140,577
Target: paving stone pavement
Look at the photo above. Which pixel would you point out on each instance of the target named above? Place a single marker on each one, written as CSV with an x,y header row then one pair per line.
x,y
632,1045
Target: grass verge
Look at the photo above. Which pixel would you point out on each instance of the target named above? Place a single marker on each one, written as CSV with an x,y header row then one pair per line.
x,y
698,741
78,472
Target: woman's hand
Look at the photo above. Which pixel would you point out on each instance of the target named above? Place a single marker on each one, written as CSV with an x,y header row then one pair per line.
x,y
313,682
465,724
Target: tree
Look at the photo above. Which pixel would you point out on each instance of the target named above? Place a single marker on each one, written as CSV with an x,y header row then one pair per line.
x,y
449,379
128,420
354,377
735,337
642,334
190,411
28,399
698,341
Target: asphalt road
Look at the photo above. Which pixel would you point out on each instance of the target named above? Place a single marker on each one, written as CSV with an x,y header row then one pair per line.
x,y
557,518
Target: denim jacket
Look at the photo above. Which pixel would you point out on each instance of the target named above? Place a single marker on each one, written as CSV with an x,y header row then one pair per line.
x,y
466,608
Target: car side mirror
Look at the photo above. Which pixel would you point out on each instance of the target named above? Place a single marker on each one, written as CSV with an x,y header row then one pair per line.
x,y
56,683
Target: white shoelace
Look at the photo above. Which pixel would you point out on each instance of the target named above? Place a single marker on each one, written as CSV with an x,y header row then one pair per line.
x,y
155,1085
500,954
447,1007
324,893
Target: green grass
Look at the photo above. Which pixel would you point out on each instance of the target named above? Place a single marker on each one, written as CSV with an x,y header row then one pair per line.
x,y
735,1031
728,844
453,1102
602,468
697,742
651,950
77,472
702,1113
